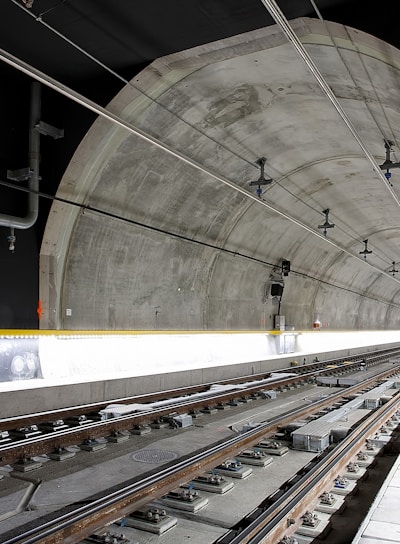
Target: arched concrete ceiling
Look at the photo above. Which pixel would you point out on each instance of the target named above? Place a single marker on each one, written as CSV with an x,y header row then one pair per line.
x,y
164,243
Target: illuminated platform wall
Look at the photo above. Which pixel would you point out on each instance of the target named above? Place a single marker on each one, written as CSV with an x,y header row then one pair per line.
x,y
33,359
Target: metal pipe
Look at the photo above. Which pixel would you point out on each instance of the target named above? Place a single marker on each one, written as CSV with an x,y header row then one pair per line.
x,y
15,222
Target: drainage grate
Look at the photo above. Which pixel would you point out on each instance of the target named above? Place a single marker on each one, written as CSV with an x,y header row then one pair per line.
x,y
154,456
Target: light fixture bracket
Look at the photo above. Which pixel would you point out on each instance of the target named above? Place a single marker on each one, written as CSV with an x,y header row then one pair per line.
x,y
325,226
261,180
365,251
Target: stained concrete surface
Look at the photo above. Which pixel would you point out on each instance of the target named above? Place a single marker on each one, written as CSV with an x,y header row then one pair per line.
x,y
90,473
222,106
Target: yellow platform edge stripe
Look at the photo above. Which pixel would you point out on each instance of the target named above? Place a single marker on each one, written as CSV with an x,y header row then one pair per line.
x,y
67,332
51,332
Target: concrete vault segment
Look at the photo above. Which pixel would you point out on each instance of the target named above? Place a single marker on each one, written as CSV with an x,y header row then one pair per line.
x,y
162,244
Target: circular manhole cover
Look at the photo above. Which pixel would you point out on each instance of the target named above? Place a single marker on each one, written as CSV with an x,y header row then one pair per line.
x,y
154,456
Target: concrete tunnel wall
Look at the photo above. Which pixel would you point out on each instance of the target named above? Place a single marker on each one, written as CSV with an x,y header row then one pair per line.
x,y
208,257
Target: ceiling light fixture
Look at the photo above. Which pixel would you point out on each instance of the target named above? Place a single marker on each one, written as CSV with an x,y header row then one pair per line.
x,y
285,267
326,225
261,180
365,251
393,270
388,164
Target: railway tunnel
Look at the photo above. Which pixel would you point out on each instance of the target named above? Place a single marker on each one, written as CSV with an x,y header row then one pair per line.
x,y
234,186
231,206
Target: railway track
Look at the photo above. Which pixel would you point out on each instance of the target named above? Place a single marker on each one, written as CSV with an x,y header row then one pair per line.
x,y
74,525
327,367
32,438
271,521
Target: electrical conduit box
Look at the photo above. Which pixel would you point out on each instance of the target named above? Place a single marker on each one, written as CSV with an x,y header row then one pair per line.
x,y
279,322
183,420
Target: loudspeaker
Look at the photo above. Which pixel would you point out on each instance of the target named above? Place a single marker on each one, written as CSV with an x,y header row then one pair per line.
x,y
285,267
276,290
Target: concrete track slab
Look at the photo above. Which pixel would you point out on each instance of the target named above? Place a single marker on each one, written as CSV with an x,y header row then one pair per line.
x,y
59,489
382,523
321,528
248,493
361,473
219,488
350,488
339,501
174,504
302,539
159,528
185,531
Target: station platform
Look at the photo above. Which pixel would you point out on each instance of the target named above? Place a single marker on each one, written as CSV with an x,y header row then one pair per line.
x,y
382,524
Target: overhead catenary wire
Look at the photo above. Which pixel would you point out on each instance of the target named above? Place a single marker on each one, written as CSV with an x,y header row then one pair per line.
x,y
342,227
386,258
338,49
164,232
115,119
103,112
91,57
314,5
39,18
52,83
281,20
363,64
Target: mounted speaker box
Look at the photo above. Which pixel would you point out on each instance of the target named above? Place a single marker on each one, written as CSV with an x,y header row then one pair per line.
x,y
276,289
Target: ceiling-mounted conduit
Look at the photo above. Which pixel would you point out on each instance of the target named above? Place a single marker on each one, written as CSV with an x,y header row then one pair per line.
x,y
236,254
106,114
15,222
39,19
281,20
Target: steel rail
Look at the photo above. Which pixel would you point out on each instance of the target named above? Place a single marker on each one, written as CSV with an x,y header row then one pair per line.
x,y
273,516
41,444
19,421
199,460
115,505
